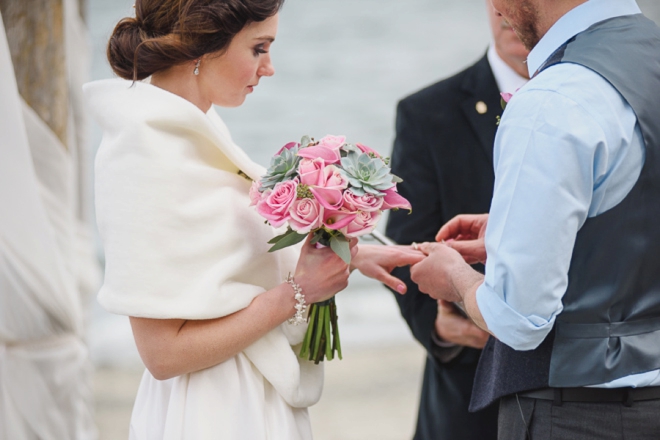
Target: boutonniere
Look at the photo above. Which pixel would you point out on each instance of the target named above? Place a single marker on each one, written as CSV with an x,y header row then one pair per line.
x,y
504,100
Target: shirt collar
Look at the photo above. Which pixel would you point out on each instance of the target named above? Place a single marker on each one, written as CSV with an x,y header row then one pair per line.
x,y
507,79
575,21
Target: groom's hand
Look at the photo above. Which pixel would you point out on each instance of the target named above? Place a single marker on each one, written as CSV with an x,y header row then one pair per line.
x,y
433,274
452,326
465,233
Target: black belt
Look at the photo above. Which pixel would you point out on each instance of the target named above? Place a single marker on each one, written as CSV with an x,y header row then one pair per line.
x,y
627,396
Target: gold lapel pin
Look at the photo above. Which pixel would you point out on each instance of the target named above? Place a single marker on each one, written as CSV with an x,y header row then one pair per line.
x,y
481,107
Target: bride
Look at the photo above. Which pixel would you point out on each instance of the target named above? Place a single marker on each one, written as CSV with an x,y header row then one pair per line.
x,y
186,257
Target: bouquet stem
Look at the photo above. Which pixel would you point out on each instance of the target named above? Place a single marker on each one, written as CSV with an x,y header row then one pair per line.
x,y
321,340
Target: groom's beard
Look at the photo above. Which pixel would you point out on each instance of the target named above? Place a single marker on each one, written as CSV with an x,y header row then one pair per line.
x,y
525,23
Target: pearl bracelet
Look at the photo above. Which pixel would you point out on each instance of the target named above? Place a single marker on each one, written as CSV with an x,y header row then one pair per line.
x,y
300,306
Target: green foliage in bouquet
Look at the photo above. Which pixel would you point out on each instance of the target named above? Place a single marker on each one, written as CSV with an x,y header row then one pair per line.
x,y
334,239
289,238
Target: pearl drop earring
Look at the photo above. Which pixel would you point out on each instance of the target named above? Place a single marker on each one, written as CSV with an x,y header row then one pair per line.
x,y
196,71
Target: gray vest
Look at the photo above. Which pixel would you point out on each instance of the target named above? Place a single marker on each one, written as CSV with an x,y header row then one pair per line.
x,y
610,325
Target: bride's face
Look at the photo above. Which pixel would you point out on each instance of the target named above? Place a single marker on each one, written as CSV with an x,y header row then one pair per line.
x,y
226,79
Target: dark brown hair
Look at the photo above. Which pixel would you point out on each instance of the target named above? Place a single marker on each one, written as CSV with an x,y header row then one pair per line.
x,y
165,33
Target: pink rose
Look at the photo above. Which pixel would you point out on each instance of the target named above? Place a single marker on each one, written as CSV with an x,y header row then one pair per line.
x,y
306,215
331,178
366,203
329,188
255,194
367,150
363,223
332,142
288,146
393,200
275,206
310,171
337,219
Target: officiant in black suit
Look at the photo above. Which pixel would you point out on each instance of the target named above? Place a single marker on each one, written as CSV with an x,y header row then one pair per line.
x,y
444,153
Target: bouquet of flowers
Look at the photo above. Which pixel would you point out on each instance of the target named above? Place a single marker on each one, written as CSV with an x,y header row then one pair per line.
x,y
334,190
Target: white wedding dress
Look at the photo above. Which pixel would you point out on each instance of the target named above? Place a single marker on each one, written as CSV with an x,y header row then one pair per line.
x,y
182,242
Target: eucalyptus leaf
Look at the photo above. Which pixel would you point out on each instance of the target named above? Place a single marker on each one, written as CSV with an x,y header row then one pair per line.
x,y
288,240
339,244
274,240
318,235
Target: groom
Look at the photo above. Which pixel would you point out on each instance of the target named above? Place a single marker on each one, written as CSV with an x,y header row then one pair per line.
x,y
572,280
443,151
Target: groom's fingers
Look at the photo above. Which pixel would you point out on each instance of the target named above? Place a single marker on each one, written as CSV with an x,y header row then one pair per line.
x,y
465,225
472,251
452,229
427,248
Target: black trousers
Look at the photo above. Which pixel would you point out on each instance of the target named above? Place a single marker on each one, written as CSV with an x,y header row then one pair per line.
x,y
524,418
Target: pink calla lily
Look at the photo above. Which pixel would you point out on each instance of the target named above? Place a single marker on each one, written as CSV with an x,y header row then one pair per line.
x,y
393,200
329,156
337,219
367,150
328,198
288,146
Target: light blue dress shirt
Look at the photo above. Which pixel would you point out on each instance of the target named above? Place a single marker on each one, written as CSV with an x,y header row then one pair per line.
x,y
568,148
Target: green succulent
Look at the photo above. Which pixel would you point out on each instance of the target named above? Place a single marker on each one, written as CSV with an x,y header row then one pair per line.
x,y
366,174
283,167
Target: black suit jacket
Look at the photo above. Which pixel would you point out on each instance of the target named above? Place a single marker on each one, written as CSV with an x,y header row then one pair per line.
x,y
444,153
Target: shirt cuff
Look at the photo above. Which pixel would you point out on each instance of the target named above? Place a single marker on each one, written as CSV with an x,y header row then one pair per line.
x,y
510,327
443,351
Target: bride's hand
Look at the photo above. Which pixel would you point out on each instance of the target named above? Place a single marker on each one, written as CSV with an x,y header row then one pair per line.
x,y
321,273
378,261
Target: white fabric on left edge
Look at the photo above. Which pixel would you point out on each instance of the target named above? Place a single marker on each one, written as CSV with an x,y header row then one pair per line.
x,y
181,241
45,374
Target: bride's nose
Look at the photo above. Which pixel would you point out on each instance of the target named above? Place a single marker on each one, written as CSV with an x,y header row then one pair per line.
x,y
266,68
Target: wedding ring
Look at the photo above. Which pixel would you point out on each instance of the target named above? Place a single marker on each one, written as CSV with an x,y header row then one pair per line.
x,y
414,246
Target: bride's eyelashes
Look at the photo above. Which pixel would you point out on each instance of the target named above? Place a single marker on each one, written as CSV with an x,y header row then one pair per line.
x,y
259,49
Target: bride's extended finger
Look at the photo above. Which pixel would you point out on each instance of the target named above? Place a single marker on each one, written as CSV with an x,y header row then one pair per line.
x,y
392,282
408,258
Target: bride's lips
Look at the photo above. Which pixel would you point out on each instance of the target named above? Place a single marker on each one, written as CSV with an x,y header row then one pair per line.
x,y
251,88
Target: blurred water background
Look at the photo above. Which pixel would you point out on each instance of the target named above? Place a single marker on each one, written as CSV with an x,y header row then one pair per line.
x,y
341,67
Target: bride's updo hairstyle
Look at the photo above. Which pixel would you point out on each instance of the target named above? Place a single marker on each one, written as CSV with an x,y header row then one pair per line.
x,y
165,33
